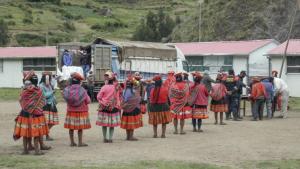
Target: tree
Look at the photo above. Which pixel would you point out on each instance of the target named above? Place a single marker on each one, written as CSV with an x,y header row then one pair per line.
x,y
4,37
155,28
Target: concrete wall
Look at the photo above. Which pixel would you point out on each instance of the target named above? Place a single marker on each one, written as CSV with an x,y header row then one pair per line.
x,y
258,61
12,73
292,80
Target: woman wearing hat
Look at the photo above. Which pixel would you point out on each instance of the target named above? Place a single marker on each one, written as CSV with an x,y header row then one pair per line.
x,y
159,110
109,108
77,117
31,122
218,99
50,110
140,89
179,92
199,102
131,117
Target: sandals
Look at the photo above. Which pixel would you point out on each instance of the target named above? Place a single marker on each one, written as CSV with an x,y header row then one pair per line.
x,y
182,133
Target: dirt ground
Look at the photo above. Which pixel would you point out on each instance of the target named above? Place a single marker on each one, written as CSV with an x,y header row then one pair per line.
x,y
222,145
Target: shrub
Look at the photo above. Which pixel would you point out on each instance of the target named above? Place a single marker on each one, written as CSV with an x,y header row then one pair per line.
x,y
26,39
69,25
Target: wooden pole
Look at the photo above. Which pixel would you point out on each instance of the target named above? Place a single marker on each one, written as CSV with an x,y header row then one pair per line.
x,y
288,39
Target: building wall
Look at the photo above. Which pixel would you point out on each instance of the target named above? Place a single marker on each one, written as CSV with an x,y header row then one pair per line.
x,y
12,73
292,80
258,61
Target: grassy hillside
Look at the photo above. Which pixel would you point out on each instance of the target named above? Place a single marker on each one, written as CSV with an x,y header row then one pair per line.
x,y
239,20
80,20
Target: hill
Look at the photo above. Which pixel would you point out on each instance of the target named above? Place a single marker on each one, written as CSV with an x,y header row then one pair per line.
x,y
239,20
40,23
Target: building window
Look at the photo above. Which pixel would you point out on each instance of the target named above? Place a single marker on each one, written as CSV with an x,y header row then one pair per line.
x,y
195,63
293,64
1,65
228,63
39,64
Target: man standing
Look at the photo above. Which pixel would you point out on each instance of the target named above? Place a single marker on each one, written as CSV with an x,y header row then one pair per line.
x,y
281,90
232,96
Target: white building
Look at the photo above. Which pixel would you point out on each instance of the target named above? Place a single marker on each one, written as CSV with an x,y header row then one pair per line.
x,y
15,60
224,55
291,66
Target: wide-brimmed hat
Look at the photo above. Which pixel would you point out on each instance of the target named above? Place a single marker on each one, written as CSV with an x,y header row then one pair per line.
x,y
171,72
156,78
27,75
178,73
77,76
109,74
255,79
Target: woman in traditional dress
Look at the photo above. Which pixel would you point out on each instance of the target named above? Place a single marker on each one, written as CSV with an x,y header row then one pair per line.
x,y
50,110
109,108
31,122
199,102
77,117
178,95
140,89
159,110
218,101
131,117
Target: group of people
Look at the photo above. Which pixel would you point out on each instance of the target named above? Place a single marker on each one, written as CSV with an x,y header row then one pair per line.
x,y
124,104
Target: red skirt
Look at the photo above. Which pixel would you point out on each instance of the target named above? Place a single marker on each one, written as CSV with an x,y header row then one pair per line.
x,y
51,114
30,126
132,120
200,112
219,106
156,118
186,113
77,121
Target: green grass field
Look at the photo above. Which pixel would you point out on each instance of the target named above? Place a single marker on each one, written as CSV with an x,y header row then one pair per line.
x,y
48,19
33,162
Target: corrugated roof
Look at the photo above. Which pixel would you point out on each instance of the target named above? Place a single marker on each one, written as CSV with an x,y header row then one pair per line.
x,y
138,44
243,48
293,48
28,52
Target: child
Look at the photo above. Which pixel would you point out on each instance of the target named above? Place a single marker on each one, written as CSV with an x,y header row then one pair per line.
x,y
31,122
77,111
218,101
50,110
199,101
109,108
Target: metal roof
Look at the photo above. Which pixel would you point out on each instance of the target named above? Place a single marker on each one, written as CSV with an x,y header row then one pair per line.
x,y
28,52
293,48
222,48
